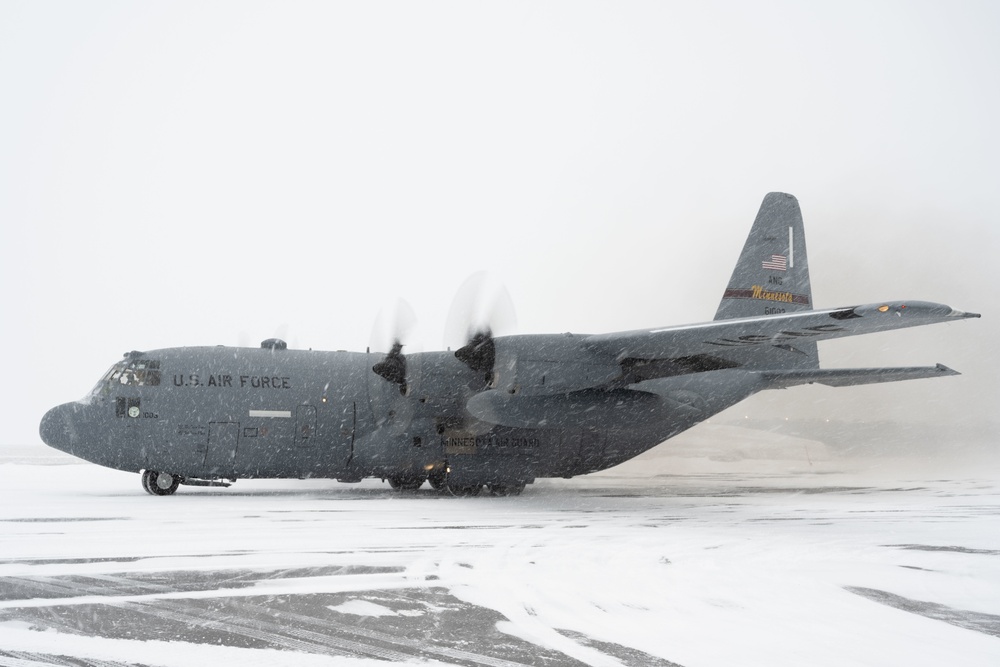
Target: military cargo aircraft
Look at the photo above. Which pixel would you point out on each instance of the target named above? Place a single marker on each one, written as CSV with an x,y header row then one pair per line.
x,y
499,412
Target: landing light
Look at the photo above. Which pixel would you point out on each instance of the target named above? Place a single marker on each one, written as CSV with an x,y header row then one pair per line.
x,y
883,309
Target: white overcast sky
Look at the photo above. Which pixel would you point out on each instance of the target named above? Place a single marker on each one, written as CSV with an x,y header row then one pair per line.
x,y
186,173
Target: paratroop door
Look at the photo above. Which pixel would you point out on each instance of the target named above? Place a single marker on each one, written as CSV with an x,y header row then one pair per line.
x,y
223,439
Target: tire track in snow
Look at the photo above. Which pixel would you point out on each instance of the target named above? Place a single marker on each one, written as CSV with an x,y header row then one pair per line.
x,y
517,606
420,649
28,659
425,650
259,629
263,631
271,633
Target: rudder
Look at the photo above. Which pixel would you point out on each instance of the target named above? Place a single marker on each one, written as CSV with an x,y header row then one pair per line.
x,y
772,274
772,277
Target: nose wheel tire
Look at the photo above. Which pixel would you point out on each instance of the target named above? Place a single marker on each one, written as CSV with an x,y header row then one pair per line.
x,y
159,483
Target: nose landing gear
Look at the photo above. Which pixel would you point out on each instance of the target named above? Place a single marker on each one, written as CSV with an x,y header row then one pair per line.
x,y
159,483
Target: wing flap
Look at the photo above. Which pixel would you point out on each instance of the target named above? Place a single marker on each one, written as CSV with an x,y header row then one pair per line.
x,y
846,377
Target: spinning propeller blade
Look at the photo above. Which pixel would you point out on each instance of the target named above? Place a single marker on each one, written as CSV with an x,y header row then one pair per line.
x,y
479,353
393,367
393,323
481,306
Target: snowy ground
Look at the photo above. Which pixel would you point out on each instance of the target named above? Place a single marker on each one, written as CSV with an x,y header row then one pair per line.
x,y
767,552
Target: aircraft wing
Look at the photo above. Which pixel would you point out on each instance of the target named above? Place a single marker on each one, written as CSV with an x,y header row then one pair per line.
x,y
846,377
766,342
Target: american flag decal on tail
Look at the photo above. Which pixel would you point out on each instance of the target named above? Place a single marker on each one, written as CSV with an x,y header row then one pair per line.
x,y
776,263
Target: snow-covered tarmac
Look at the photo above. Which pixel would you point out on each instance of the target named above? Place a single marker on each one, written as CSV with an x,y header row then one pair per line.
x,y
672,559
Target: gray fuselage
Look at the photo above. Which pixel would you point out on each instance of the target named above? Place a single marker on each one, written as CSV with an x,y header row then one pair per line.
x,y
227,413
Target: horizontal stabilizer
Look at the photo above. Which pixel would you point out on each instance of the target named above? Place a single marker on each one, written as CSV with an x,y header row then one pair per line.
x,y
845,377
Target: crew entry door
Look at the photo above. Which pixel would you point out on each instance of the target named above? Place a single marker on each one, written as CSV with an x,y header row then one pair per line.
x,y
223,439
306,451
342,415
305,426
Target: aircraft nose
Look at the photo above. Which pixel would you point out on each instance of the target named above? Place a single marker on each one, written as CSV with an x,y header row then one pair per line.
x,y
57,429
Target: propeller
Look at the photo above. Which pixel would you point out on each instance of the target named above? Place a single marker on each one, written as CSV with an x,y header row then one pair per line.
x,y
393,323
393,367
479,353
481,306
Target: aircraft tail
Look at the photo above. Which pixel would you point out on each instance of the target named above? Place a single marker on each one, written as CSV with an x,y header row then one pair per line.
x,y
772,274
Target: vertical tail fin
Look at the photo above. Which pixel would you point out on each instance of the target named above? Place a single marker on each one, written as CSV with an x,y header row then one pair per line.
x,y
772,274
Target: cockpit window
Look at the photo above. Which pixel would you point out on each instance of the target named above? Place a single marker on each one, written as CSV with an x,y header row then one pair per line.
x,y
140,372
135,373
128,372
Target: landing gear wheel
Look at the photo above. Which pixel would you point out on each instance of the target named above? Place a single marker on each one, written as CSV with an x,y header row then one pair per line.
x,y
438,479
464,489
159,483
513,489
404,483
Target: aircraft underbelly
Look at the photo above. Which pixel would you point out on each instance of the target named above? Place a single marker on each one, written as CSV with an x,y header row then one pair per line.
x,y
499,455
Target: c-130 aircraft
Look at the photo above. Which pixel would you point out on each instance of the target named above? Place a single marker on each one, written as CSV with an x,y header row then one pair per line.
x,y
499,412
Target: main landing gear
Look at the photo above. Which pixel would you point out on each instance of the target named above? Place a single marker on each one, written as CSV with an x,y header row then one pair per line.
x,y
405,482
510,489
513,489
438,478
439,482
159,483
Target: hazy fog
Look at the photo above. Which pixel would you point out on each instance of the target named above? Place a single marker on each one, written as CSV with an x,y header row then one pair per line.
x,y
222,172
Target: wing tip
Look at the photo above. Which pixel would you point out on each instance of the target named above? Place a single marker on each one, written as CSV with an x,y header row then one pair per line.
x,y
945,370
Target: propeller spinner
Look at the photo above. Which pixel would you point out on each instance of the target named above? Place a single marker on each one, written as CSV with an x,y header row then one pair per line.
x,y
393,367
479,353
